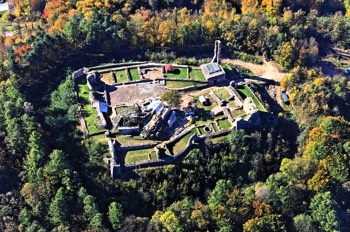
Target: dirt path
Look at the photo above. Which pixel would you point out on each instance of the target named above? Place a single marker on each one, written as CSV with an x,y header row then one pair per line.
x,y
265,70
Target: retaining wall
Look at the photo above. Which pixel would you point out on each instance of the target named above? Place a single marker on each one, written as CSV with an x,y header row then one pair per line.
x,y
122,66
159,162
111,66
137,147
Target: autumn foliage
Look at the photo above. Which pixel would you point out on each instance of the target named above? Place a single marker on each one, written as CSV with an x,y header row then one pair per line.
x,y
21,51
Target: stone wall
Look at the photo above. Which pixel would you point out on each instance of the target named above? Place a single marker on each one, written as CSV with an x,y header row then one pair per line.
x,y
185,149
181,134
78,73
137,147
134,82
189,88
81,118
216,134
216,98
113,66
235,94
181,79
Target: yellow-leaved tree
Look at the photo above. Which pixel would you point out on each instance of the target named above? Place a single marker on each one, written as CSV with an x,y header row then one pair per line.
x,y
271,7
250,6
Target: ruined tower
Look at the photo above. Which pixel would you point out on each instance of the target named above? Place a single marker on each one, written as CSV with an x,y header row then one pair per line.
x,y
217,52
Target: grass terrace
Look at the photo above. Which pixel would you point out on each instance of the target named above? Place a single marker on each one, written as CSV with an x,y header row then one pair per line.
x,y
215,127
121,76
224,124
87,111
100,139
222,93
177,73
182,143
140,155
247,93
197,74
134,74
124,141
237,113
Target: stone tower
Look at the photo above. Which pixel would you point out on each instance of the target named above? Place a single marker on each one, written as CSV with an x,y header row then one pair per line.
x,y
217,52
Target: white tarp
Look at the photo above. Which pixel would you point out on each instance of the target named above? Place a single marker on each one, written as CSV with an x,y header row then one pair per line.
x,y
4,7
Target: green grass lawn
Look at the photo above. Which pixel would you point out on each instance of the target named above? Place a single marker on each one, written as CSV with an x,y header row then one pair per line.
x,y
134,74
153,155
246,91
224,124
180,84
196,74
99,138
138,155
177,73
124,141
181,144
87,111
237,113
216,129
222,93
121,76
201,130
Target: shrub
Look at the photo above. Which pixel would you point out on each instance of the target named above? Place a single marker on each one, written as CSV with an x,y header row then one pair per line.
x,y
247,57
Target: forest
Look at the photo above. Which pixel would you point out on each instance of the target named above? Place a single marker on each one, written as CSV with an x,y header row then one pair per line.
x,y
294,177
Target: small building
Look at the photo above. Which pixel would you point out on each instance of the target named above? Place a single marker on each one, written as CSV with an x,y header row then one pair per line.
x,y
218,110
284,97
213,73
203,100
172,119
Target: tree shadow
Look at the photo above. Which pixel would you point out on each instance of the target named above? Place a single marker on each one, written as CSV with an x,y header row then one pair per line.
x,y
274,106
267,81
176,71
203,114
